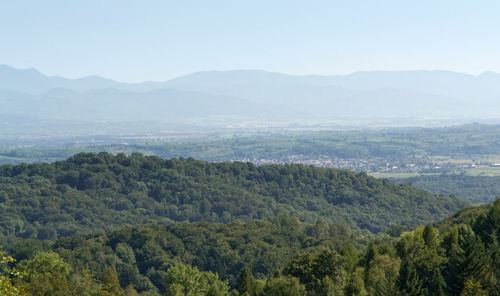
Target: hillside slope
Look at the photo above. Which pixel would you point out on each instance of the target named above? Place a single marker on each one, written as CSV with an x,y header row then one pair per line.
x,y
95,192
459,257
475,189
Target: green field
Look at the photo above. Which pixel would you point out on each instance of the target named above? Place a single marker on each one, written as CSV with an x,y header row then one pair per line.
x,y
483,171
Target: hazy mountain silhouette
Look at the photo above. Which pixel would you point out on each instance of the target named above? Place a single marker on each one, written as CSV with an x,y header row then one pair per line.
x,y
252,93
33,82
123,105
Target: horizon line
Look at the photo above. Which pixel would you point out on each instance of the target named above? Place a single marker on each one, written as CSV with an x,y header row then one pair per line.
x,y
241,70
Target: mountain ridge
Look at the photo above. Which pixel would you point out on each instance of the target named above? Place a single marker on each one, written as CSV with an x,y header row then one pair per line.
x,y
265,95
157,83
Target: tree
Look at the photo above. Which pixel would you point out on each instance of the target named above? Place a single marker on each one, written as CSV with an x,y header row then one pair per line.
x,y
370,253
311,268
472,288
6,275
83,284
382,275
430,237
45,284
409,284
356,285
284,286
44,263
468,261
46,274
350,254
130,291
185,280
245,282
422,262
110,284
328,288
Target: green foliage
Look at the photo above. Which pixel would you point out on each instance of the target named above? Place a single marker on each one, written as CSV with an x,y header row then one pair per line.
x,y
46,274
110,283
312,269
356,285
473,289
283,257
283,286
350,254
44,263
475,189
382,275
279,255
409,283
246,282
189,281
423,261
370,254
7,274
84,284
430,237
93,192
54,284
468,260
143,254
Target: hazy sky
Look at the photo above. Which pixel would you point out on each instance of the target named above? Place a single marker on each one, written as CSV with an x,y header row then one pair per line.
x,y
157,40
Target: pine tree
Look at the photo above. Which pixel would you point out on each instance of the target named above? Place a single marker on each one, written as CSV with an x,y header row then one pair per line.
x,y
494,254
111,285
245,282
408,282
370,253
385,288
468,261
488,226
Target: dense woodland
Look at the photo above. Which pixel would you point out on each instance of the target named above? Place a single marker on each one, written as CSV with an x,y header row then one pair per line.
x,y
102,224
94,192
460,256
476,189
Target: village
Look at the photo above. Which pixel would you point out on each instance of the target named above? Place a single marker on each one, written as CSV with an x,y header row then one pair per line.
x,y
380,165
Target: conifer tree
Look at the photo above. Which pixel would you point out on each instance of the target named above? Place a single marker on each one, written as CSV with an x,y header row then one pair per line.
x,y
370,253
245,282
408,282
111,285
468,261
385,288
356,286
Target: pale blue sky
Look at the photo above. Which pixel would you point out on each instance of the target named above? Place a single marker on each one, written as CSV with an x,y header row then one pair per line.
x,y
158,40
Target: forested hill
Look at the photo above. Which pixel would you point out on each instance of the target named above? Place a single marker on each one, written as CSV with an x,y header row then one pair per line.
x,y
95,192
276,256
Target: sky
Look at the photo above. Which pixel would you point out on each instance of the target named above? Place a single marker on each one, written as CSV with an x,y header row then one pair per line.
x,y
157,40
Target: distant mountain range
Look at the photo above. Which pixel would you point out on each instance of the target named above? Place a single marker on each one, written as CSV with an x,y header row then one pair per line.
x,y
252,94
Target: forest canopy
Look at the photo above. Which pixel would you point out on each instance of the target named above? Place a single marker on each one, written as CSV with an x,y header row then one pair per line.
x,y
95,192
280,256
